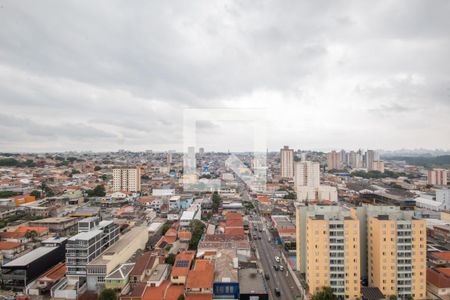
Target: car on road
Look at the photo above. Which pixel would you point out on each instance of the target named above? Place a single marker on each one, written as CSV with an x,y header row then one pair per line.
x,y
267,276
281,268
277,259
275,267
277,292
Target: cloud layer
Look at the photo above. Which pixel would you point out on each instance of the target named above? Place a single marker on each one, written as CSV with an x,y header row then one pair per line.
x,y
104,75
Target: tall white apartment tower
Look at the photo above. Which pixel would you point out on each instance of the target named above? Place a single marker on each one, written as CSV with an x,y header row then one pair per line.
x,y
307,173
127,179
370,158
287,162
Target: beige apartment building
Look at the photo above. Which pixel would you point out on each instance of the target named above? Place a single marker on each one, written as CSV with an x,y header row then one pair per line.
x,y
127,179
378,165
397,255
437,177
329,243
336,247
334,161
287,162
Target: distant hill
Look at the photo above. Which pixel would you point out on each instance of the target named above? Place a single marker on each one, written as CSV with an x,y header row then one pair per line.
x,y
435,161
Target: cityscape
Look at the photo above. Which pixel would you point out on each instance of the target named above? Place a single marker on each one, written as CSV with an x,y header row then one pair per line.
x,y
224,150
356,224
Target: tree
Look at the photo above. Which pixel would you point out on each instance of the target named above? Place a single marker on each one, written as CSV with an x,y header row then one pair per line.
x,y
97,168
164,228
7,194
36,193
98,191
325,294
170,259
290,195
31,234
107,294
181,297
216,202
392,297
196,227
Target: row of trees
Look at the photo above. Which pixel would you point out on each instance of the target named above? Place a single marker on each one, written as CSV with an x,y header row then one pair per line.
x,y
216,200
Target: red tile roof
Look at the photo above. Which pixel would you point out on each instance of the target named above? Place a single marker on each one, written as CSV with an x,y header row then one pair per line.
x,y
439,280
445,255
234,231
199,297
445,271
144,262
166,291
184,235
55,273
202,276
179,268
9,245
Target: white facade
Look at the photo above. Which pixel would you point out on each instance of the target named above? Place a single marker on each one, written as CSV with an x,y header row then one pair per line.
x,y
287,162
443,197
321,193
127,179
307,173
370,158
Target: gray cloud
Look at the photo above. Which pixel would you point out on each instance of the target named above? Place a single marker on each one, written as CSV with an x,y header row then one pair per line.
x,y
123,72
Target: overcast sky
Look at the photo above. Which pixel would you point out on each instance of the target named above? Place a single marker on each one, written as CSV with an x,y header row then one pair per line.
x,y
108,75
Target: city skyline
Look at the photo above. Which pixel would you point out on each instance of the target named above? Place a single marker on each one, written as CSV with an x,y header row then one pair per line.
x,y
75,78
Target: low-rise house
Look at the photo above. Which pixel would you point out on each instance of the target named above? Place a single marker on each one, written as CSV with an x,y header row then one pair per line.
x,y
44,283
159,274
181,267
184,236
10,250
438,285
226,280
200,280
119,278
143,267
440,258
60,225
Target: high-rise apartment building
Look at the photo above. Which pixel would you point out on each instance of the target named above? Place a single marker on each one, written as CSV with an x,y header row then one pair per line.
x,y
334,160
393,250
437,177
397,255
390,249
126,179
287,162
328,249
378,165
370,158
355,160
307,173
169,158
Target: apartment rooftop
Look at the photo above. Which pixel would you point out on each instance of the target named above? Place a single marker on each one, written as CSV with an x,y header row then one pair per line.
x,y
86,236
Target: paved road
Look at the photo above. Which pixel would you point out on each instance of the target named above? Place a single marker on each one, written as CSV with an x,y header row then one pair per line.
x,y
280,279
